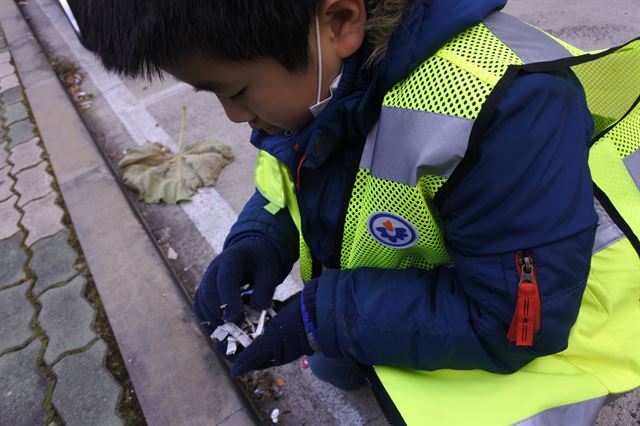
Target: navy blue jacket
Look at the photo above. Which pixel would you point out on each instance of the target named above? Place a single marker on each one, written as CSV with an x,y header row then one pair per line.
x,y
528,188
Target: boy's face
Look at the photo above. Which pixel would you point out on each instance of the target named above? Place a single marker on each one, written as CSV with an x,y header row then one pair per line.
x,y
261,93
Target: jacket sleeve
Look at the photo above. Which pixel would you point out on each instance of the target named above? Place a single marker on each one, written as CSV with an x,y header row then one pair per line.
x,y
528,188
278,228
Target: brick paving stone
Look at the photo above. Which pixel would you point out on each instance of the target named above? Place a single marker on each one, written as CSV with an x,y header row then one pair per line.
x,y
15,316
5,57
15,112
42,218
52,261
6,68
25,155
19,132
33,183
10,217
12,261
66,318
12,95
5,183
86,394
22,388
8,81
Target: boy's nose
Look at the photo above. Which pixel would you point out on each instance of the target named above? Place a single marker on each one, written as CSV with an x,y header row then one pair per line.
x,y
236,112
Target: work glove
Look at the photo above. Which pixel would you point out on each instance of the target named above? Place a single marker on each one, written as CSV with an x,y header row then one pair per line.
x,y
253,260
285,338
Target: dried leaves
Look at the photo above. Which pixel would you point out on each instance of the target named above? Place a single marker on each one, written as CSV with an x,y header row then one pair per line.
x,y
72,79
160,175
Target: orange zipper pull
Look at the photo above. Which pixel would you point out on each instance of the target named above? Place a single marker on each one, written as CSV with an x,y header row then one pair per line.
x,y
526,318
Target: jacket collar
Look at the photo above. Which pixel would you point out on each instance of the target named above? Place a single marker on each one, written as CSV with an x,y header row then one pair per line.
x,y
355,106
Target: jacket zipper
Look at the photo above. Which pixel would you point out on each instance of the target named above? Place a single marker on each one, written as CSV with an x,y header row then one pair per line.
x,y
526,318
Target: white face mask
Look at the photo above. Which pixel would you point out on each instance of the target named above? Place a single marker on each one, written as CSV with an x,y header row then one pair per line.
x,y
317,108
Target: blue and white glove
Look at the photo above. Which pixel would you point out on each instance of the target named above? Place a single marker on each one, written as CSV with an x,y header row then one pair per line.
x,y
286,337
253,260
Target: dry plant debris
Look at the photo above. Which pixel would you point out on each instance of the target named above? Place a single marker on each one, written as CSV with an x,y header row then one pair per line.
x,y
157,174
72,78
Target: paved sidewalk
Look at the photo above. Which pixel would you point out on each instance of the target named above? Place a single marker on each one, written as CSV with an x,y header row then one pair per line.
x,y
52,363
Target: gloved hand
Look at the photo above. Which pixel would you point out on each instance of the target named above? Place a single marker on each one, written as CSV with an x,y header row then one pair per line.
x,y
252,260
284,340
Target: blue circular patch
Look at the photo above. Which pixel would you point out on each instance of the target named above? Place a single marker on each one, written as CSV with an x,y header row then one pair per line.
x,y
392,230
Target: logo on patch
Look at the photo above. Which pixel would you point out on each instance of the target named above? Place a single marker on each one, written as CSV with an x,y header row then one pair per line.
x,y
392,230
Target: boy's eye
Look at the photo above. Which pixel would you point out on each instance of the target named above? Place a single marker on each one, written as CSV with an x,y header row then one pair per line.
x,y
238,94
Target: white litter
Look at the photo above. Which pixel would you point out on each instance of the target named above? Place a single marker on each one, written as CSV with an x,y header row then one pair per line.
x,y
232,346
237,333
274,415
260,328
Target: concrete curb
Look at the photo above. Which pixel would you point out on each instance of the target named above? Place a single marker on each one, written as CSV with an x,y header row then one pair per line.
x,y
175,376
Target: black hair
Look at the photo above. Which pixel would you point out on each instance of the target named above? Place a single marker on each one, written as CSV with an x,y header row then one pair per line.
x,y
139,37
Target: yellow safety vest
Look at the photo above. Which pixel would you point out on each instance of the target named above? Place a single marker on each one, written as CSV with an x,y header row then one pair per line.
x,y
603,355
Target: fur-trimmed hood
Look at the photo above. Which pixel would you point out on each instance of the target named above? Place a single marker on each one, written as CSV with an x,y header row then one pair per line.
x,y
385,17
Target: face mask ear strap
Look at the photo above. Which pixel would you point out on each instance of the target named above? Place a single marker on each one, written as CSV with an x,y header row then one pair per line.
x,y
319,48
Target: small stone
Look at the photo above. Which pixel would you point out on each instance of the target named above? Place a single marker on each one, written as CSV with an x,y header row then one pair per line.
x,y
13,260
86,393
15,112
8,81
5,57
66,318
22,388
10,217
42,218
52,261
32,184
171,254
11,96
6,68
15,317
19,132
25,155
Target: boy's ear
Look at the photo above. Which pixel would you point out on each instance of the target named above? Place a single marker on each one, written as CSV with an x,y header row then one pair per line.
x,y
346,21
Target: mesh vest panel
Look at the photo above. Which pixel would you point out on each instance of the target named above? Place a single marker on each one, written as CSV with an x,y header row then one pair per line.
x,y
455,81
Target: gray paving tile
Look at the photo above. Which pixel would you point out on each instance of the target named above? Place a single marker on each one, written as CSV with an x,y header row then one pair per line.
x,y
10,217
15,316
13,260
52,261
25,155
12,95
14,112
6,68
86,394
32,184
8,81
42,218
5,57
5,183
3,153
22,388
66,318
20,132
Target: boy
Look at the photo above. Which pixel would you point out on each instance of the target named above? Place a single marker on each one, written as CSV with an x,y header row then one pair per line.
x,y
428,161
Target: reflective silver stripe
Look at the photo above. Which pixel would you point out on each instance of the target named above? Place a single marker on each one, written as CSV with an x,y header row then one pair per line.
x,y
530,44
632,161
582,413
607,232
407,144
